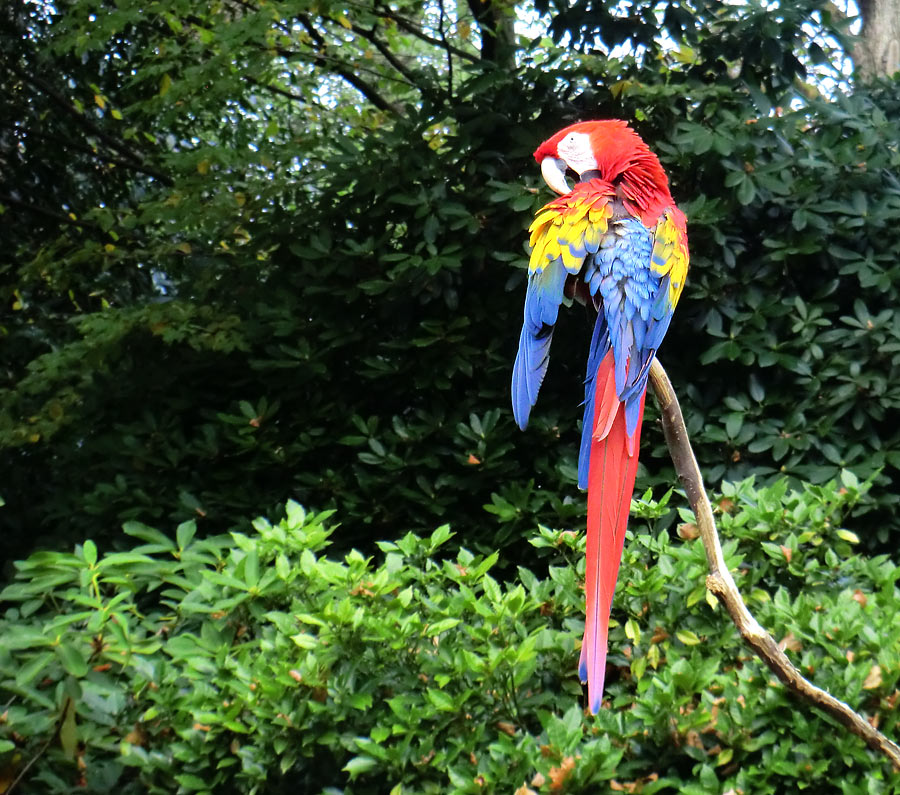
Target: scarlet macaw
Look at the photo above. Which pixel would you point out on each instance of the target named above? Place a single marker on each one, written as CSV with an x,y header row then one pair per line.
x,y
616,239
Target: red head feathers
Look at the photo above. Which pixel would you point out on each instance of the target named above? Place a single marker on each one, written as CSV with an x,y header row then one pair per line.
x,y
613,150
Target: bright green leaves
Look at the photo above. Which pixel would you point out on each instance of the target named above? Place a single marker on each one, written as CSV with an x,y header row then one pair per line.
x,y
89,551
30,670
429,668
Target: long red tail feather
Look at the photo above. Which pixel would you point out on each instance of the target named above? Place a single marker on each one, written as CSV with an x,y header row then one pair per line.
x,y
613,468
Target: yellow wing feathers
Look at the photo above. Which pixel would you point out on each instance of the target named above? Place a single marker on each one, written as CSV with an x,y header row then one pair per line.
x,y
567,228
670,253
570,226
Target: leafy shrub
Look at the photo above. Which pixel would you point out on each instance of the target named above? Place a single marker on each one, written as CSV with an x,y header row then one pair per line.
x,y
257,663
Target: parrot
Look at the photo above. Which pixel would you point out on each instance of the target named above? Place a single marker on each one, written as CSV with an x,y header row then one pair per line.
x,y
614,240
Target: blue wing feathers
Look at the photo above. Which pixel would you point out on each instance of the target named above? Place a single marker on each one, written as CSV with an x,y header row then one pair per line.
x,y
542,299
633,411
661,305
634,310
634,314
638,331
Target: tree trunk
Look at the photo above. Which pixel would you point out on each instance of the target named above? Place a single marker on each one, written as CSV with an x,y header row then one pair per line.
x,y
498,37
877,51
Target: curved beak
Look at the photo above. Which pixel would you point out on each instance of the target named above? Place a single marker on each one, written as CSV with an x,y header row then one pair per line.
x,y
553,170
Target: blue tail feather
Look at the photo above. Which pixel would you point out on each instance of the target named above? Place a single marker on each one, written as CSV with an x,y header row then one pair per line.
x,y
598,349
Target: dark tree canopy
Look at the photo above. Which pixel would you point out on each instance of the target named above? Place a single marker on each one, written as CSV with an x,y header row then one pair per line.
x,y
255,252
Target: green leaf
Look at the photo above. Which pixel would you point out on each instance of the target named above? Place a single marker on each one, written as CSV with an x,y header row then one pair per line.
x,y
491,589
359,764
441,625
20,637
632,631
35,665
251,567
149,534
746,192
191,782
441,700
72,659
360,700
282,567
184,534
68,729
89,550
440,536
849,480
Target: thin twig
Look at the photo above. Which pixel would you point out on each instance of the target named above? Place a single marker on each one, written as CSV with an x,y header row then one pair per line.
x,y
320,58
449,54
276,90
67,705
721,583
135,159
382,47
416,31
364,88
54,215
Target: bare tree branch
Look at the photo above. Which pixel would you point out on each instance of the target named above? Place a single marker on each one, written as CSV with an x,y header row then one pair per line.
x,y
497,31
276,90
378,44
133,158
319,58
721,583
416,31
54,215
364,88
337,65
104,157
449,54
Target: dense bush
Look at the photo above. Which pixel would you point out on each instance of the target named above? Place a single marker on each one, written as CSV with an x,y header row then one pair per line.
x,y
257,663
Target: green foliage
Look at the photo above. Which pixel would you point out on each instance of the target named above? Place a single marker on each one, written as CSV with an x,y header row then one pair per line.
x,y
273,296
745,45
257,663
794,313
254,252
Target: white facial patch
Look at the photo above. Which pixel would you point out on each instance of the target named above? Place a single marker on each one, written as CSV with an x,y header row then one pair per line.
x,y
575,149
